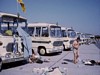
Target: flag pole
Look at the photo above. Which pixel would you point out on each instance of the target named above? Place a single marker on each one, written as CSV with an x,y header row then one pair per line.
x,y
17,5
17,13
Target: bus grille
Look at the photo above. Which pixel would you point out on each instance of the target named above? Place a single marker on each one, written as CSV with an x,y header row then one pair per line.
x,y
58,43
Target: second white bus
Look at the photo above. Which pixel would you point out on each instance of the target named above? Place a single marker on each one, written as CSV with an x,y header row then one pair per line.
x,y
46,38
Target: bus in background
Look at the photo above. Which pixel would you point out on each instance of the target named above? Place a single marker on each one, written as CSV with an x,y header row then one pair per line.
x,y
85,38
10,45
88,39
46,37
92,38
82,37
66,42
68,36
71,34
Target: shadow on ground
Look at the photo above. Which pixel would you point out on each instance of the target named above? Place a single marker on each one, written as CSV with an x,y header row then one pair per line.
x,y
52,54
68,60
13,64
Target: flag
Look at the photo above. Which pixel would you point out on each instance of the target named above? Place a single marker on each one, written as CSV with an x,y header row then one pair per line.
x,y
22,5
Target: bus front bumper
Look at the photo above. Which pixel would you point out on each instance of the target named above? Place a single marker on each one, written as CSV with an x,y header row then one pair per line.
x,y
55,49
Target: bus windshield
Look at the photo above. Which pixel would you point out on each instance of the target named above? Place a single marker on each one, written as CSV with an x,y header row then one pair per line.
x,y
55,31
64,33
9,23
71,34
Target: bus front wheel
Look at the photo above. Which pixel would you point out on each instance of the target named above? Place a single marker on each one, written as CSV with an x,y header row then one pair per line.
x,y
42,51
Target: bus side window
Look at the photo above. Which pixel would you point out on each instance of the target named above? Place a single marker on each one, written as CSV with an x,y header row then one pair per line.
x,y
38,31
45,32
31,31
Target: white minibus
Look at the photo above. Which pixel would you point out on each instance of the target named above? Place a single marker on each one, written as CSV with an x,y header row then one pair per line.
x,y
10,45
46,38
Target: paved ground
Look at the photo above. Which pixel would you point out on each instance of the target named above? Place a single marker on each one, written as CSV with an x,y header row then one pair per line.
x,y
86,52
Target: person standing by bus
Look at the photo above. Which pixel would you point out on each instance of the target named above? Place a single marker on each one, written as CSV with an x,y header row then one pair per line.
x,y
76,49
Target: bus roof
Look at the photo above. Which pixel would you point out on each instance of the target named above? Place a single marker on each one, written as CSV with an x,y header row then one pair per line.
x,y
70,29
40,24
11,17
63,28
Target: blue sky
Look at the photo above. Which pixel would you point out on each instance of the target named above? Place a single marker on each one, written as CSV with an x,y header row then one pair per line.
x,y
82,15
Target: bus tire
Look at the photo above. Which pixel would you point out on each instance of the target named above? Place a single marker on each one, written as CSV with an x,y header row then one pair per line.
x,y
63,47
0,64
42,51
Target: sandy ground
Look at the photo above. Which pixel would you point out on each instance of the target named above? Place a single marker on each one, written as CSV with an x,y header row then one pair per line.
x,y
56,60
